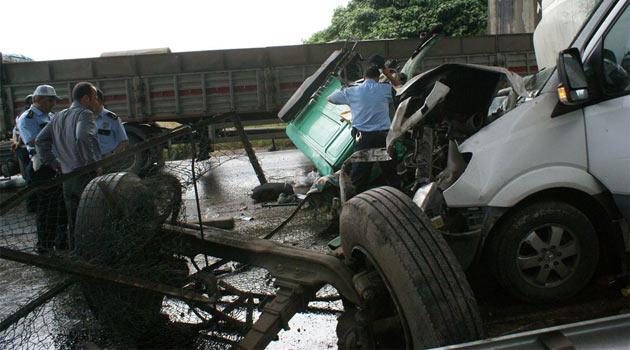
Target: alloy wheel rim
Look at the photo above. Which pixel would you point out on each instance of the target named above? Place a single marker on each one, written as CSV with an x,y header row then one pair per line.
x,y
548,256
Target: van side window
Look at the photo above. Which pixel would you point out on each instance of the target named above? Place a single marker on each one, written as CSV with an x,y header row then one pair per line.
x,y
616,56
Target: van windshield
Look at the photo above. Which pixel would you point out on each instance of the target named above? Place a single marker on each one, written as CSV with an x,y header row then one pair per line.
x,y
534,83
414,66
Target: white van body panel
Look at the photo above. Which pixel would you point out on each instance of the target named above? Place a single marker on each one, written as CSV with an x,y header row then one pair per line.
x,y
608,126
518,146
549,177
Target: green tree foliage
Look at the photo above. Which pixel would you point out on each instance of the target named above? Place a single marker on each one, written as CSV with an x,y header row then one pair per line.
x,y
391,19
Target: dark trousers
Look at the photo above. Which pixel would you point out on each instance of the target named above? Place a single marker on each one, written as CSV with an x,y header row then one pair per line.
x,y
26,167
362,172
51,212
72,190
24,161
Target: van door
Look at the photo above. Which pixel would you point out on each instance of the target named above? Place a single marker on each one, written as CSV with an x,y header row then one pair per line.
x,y
608,122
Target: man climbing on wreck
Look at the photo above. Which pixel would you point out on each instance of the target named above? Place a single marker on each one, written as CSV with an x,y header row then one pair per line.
x,y
369,104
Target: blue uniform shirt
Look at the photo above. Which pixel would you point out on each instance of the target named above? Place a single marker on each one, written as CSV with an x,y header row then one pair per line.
x,y
369,104
30,123
110,131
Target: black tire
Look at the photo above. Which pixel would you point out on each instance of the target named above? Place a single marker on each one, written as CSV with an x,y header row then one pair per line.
x,y
117,221
426,283
167,195
520,268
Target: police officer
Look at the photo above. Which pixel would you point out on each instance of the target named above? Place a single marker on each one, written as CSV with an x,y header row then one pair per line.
x,y
49,206
369,104
33,120
17,146
69,142
112,137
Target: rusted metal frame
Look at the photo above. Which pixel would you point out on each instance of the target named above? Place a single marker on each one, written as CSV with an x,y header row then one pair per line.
x,y
35,303
275,317
6,109
250,302
204,93
297,265
251,154
128,99
231,306
249,312
231,89
94,272
258,90
178,108
233,322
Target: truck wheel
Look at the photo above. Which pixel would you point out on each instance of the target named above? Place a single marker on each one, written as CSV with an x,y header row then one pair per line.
x,y
116,225
544,252
417,295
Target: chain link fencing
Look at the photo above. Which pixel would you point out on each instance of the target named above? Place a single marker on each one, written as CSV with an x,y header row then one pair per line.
x,y
84,259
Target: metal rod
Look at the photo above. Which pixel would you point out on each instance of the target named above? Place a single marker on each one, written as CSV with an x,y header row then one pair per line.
x,y
249,150
35,303
286,221
194,180
98,273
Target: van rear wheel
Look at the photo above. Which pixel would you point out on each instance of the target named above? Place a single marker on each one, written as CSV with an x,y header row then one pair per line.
x,y
544,252
415,294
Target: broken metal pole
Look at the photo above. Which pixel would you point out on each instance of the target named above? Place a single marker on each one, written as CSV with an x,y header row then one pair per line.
x,y
249,149
94,272
34,304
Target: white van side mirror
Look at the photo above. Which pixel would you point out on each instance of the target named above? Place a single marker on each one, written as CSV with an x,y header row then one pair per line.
x,y
573,88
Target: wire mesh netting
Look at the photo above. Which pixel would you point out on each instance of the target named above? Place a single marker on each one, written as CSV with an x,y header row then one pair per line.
x,y
85,258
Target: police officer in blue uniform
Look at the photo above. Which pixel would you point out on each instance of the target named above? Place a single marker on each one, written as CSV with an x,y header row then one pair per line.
x,y
17,146
51,212
33,120
369,103
112,137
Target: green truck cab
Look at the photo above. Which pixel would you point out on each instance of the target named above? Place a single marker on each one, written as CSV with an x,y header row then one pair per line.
x,y
322,130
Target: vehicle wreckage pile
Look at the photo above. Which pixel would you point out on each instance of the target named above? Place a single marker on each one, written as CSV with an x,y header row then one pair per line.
x,y
133,276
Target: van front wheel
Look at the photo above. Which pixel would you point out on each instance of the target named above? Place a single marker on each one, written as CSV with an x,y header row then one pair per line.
x,y
544,252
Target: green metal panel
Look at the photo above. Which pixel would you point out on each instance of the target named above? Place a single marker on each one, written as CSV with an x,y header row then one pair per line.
x,y
319,132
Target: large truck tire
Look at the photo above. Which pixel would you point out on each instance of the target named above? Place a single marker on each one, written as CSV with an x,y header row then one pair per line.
x,y
382,230
116,229
544,252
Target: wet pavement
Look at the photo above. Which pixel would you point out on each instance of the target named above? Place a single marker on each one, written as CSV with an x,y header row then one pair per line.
x,y
225,192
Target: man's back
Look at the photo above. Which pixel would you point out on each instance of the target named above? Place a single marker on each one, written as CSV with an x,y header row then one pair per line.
x,y
70,138
369,102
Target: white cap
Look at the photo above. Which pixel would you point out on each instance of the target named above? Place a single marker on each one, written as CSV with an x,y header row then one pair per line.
x,y
46,90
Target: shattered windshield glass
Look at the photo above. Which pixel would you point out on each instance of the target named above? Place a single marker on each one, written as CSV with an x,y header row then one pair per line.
x,y
414,66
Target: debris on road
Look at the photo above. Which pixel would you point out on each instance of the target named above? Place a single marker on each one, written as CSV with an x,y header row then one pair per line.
x,y
270,191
